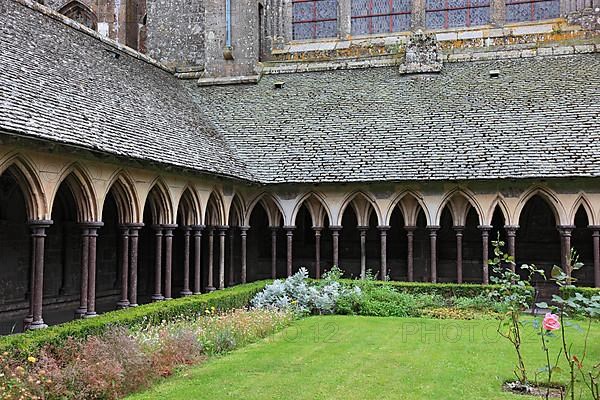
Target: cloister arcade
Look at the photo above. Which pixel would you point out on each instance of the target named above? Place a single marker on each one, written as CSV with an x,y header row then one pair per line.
x,y
81,236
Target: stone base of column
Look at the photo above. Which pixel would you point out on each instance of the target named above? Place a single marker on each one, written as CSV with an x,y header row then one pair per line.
x,y
123,304
211,289
80,312
157,297
90,314
195,293
186,293
37,325
132,305
27,321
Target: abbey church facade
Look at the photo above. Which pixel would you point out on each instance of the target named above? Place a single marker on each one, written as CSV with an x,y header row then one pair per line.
x,y
157,149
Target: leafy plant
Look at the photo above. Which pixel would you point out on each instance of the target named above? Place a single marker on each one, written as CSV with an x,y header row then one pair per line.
x,y
515,294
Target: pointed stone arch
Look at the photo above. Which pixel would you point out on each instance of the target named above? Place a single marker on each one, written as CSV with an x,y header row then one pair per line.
x,y
549,196
122,187
499,203
410,203
458,201
81,13
28,180
237,215
271,206
79,183
189,207
317,207
363,205
161,205
215,210
582,201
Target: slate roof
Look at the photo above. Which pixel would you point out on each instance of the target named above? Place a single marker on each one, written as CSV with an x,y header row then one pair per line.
x,y
539,118
61,84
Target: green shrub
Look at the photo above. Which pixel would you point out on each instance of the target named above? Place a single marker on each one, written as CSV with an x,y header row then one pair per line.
x,y
147,314
569,291
445,290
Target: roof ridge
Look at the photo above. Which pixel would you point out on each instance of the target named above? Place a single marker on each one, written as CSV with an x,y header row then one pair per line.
x,y
50,13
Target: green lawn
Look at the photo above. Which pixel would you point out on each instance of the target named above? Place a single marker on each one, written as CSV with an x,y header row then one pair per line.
x,y
340,357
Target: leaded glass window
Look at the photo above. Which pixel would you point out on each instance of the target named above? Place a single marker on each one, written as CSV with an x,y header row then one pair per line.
x,y
314,19
456,13
531,10
380,16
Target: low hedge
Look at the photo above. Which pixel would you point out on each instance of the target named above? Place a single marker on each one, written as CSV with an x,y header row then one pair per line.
x,y
445,290
588,292
153,313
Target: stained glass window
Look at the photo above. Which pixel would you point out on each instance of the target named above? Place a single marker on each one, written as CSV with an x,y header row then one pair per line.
x,y
314,19
531,10
380,16
456,13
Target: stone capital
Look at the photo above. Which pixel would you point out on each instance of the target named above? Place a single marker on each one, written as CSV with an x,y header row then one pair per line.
x,y
410,228
335,228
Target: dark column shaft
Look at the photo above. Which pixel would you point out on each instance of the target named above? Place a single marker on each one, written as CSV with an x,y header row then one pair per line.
x,y
168,235
124,302
485,240
222,231
335,235
363,250
317,230
231,280
197,258
459,253
91,307
133,263
410,235
243,235
186,261
274,252
289,232
211,247
83,289
39,236
511,234
433,249
383,267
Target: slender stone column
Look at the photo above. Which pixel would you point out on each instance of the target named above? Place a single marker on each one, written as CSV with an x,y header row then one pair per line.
x,y
134,230
511,234
318,230
485,245
231,280
433,249
335,234
186,261
289,232
83,288
157,296
383,229
29,318
222,230
363,250
274,230
168,235
565,247
244,237
93,236
410,259
124,302
459,250
197,258
211,247
38,233
596,238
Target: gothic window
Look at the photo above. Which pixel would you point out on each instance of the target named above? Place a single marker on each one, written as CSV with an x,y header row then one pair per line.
x,y
456,13
80,13
380,16
314,19
531,10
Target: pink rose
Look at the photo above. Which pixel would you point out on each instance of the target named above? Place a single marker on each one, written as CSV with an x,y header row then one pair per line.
x,y
551,322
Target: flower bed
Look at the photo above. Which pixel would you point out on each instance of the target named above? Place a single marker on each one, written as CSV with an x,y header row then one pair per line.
x,y
123,360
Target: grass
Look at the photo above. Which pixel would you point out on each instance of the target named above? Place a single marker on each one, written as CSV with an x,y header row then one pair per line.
x,y
340,357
